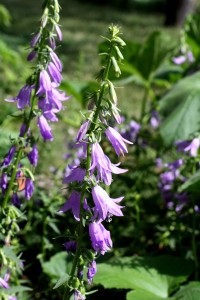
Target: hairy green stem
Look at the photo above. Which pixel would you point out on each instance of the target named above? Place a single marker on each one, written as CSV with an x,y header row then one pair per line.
x,y
144,101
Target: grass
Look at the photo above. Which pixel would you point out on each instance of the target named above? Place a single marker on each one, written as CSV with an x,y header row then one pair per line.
x,y
82,26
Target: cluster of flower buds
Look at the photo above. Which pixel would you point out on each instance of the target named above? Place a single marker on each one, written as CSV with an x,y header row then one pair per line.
x,y
89,202
39,98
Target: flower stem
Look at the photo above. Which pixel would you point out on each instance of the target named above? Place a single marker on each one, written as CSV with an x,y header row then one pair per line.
x,y
67,293
144,101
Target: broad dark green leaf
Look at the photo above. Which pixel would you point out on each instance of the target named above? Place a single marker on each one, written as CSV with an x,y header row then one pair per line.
x,y
191,291
180,109
192,184
159,276
57,266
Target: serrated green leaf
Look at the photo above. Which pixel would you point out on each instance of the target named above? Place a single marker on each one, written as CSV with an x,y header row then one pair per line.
x,y
191,291
64,279
180,109
9,253
159,276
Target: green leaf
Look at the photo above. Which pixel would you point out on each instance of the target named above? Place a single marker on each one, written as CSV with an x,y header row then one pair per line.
x,y
159,276
64,279
144,295
180,110
191,291
16,289
192,184
57,266
9,253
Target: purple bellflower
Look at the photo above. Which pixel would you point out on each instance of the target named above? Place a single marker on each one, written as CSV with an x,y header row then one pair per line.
x,y
179,60
189,146
77,174
45,129
35,39
15,200
92,269
59,32
103,165
55,74
100,238
8,159
83,130
104,205
117,141
29,188
154,120
56,61
3,182
44,83
78,295
23,98
73,203
33,155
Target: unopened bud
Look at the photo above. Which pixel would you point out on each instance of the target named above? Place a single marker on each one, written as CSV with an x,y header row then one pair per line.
x,y
116,67
112,92
119,41
119,54
75,283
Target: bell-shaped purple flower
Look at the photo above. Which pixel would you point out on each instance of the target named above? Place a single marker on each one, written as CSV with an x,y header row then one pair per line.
x,y
45,129
104,205
83,130
23,98
92,269
33,155
72,203
31,55
52,42
103,164
54,73
78,295
117,141
29,188
35,39
189,146
77,174
3,182
154,120
59,32
70,246
3,283
100,238
15,200
44,83
179,60
8,159
56,61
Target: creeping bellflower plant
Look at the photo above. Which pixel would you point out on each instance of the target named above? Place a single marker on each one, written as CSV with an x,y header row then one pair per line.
x,y
89,201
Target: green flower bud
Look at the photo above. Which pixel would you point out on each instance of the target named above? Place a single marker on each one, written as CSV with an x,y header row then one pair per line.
x,y
75,283
112,92
119,54
119,41
116,67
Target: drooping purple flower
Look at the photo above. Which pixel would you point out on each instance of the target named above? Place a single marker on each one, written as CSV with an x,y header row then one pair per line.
x,y
70,246
3,182
45,129
47,110
15,200
83,130
3,283
100,238
189,146
31,55
35,39
55,74
8,159
155,120
44,83
190,57
117,141
56,97
59,32
78,295
179,60
52,42
115,113
168,177
175,164
73,203
103,164
23,98
77,174
56,60
23,130
104,205
92,269
29,188
182,200
33,155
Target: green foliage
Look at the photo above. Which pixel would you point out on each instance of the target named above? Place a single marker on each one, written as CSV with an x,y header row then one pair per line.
x,y
191,291
5,17
156,277
180,109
